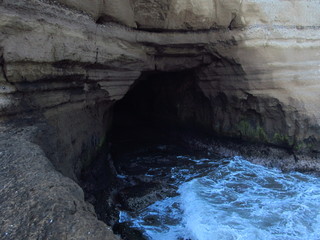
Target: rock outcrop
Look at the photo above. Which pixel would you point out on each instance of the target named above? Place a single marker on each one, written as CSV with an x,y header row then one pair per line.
x,y
64,63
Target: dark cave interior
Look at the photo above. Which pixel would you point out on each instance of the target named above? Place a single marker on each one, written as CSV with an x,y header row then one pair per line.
x,y
160,103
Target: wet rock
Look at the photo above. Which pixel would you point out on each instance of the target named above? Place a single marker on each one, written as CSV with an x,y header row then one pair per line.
x,y
127,232
140,196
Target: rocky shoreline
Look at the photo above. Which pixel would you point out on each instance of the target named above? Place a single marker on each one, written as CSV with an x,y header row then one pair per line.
x,y
139,169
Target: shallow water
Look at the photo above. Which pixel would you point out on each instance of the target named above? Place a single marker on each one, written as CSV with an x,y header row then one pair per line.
x,y
232,199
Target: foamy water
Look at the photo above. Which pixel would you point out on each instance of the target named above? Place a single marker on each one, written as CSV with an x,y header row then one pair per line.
x,y
234,199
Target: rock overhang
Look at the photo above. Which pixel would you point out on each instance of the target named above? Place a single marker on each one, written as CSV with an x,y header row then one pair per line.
x,y
268,54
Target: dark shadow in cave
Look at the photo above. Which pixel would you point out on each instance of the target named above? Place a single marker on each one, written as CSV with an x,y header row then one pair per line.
x,y
159,105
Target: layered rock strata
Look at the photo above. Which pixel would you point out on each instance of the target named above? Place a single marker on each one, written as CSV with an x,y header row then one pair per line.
x,y
65,63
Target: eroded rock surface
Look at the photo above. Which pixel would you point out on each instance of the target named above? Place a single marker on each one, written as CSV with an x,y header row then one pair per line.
x,y
38,202
67,62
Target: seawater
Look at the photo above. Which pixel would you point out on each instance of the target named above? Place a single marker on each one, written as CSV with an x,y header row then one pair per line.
x,y
230,199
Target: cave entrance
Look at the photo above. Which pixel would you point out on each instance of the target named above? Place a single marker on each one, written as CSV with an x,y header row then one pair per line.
x,y
149,123
158,105
157,110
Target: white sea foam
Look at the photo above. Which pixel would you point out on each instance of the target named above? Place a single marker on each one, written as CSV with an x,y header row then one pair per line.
x,y
237,200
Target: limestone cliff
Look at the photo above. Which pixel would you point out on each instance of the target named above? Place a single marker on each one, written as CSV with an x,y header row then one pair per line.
x,y
64,64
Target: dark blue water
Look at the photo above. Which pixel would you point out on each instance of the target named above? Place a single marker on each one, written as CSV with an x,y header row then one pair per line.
x,y
233,199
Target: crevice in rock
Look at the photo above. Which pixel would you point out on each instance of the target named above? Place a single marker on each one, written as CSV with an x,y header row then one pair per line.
x,y
103,19
231,24
2,66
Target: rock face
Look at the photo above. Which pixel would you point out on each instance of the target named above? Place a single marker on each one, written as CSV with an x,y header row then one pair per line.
x,y
37,202
63,64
